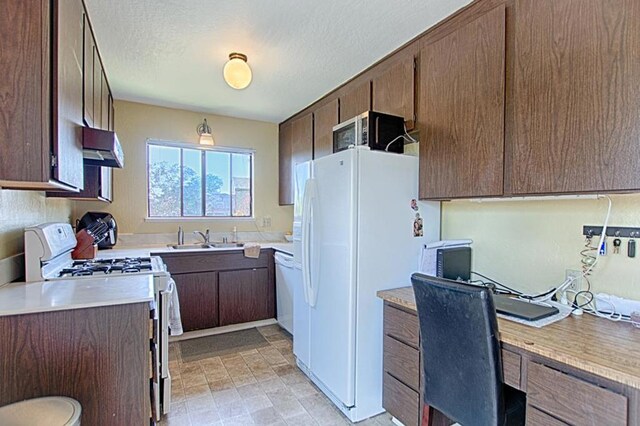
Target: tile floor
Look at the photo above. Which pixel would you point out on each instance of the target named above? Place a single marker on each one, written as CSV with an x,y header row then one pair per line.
x,y
261,386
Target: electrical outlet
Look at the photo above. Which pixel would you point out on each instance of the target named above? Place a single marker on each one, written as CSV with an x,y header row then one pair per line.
x,y
576,284
266,222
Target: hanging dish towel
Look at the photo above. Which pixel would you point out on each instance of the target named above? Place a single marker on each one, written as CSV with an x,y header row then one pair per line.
x,y
252,250
175,322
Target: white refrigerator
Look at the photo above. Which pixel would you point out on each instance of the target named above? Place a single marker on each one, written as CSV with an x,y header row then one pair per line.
x,y
353,236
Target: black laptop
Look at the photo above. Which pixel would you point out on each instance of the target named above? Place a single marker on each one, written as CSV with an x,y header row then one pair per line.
x,y
521,309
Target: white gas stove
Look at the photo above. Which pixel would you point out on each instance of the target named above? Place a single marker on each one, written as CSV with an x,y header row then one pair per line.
x,y
47,252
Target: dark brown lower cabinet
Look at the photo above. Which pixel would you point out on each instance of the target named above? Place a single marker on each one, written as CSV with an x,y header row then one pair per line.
x,y
246,295
556,394
223,287
98,356
198,295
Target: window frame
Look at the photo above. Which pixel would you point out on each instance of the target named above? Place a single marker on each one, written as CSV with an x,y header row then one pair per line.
x,y
186,145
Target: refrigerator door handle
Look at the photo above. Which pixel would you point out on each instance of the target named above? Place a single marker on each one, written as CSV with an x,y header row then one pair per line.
x,y
305,241
313,252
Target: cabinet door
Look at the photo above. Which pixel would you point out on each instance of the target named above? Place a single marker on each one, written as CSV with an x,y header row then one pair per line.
x,y
87,73
198,295
246,295
576,96
67,92
355,101
324,118
104,99
302,141
97,90
112,114
284,165
461,111
106,183
393,88
24,85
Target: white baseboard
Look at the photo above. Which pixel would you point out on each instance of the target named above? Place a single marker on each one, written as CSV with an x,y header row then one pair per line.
x,y
11,268
220,330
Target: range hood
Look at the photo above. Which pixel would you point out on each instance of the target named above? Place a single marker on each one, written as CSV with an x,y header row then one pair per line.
x,y
101,148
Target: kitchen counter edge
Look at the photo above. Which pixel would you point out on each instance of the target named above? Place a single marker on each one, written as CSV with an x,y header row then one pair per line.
x,y
58,295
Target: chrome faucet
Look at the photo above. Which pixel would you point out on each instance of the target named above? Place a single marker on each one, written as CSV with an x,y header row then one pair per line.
x,y
204,236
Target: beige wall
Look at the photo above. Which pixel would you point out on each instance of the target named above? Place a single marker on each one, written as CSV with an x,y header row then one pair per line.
x,y
19,209
135,123
529,244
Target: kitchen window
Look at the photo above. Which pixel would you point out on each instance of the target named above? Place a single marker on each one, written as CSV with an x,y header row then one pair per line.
x,y
189,181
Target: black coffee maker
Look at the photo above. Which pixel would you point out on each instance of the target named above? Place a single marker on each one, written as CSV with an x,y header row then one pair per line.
x,y
91,218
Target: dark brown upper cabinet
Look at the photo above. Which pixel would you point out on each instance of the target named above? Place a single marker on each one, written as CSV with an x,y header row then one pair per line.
x,y
393,87
302,140
324,118
284,165
462,80
41,101
355,99
88,58
575,97
295,147
97,90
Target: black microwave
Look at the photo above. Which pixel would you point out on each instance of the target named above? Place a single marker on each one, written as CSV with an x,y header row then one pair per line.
x,y
376,130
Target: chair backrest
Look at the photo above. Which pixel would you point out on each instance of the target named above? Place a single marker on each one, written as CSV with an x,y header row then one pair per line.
x,y
461,350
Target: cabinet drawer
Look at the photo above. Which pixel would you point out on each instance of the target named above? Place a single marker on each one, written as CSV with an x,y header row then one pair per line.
x,y
402,325
538,418
402,362
400,401
573,400
511,368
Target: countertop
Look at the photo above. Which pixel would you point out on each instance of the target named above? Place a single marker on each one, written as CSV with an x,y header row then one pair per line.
x,y
595,345
143,251
59,295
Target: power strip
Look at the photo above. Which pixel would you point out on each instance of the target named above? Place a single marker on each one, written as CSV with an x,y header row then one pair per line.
x,y
621,306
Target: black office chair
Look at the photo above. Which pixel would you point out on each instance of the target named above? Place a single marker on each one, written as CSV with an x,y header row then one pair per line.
x,y
461,353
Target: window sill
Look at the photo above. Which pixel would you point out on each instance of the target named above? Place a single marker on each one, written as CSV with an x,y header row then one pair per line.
x,y
199,219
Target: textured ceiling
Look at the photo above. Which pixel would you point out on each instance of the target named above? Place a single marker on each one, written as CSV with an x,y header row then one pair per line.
x,y
171,52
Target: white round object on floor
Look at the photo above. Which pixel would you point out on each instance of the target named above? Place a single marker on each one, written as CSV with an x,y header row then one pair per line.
x,y
47,411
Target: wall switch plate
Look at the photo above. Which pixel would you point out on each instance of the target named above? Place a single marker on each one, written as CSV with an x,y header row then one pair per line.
x,y
266,222
576,284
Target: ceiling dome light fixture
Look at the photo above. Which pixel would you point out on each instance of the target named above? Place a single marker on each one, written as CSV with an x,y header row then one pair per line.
x,y
204,131
237,72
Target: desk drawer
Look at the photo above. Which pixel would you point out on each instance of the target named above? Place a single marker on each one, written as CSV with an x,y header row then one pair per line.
x,y
573,400
400,401
538,418
402,361
401,325
511,368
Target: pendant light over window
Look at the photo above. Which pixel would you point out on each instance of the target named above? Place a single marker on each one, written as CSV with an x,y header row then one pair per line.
x,y
204,131
237,72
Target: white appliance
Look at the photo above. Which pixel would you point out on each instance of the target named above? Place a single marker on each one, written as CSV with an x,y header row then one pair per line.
x,y
47,252
353,235
288,277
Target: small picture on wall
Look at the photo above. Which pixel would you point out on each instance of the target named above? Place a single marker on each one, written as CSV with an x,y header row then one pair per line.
x,y
418,226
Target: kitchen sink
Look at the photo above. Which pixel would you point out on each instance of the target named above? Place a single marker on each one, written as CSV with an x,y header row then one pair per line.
x,y
226,245
205,246
189,246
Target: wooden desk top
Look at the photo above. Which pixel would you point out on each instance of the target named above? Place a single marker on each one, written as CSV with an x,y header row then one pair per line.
x,y
599,346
